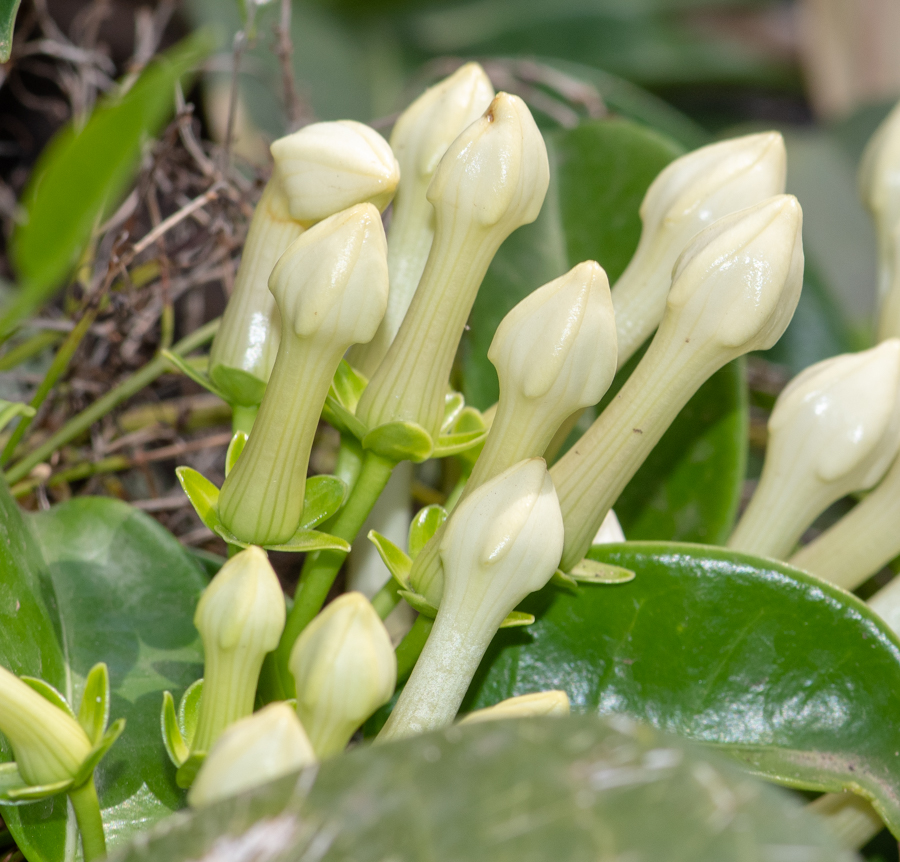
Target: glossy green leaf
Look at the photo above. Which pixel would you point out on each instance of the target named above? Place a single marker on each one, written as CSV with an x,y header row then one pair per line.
x,y
453,404
577,788
93,711
8,11
424,525
237,386
323,496
189,711
98,752
590,571
398,563
95,580
82,173
796,678
204,496
184,366
176,746
343,419
235,447
400,441
306,541
347,385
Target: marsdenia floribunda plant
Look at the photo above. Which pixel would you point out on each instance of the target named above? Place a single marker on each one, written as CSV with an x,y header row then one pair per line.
x,y
491,180
331,287
555,353
319,171
523,706
690,194
502,542
253,751
879,185
834,430
421,136
734,289
240,617
344,668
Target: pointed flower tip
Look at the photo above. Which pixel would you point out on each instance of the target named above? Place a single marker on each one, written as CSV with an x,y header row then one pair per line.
x,y
332,281
327,167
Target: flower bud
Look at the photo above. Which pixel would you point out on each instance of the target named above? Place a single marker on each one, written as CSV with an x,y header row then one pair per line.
x,y
690,194
524,706
331,287
501,543
48,745
421,136
253,751
835,429
240,617
492,180
734,289
327,167
344,668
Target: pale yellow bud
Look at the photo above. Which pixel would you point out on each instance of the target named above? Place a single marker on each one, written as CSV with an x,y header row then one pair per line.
x,y
524,706
240,617
835,429
344,668
253,751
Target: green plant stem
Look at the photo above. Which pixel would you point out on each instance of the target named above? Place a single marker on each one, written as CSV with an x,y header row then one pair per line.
x,y
90,824
410,648
80,423
321,568
113,464
387,598
28,348
242,418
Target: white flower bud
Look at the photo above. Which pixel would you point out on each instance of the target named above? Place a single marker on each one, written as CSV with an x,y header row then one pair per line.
x,y
48,745
501,543
327,167
491,180
524,706
688,195
240,617
421,136
734,289
331,286
344,668
253,751
834,430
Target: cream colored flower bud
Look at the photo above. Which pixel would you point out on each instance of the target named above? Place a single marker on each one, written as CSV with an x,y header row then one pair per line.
x,y
48,745
240,617
690,194
491,180
327,167
253,751
501,543
834,430
421,136
734,289
524,706
345,668
331,286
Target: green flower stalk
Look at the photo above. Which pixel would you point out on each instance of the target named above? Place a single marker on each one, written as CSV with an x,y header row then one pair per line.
x,y
689,195
734,289
331,287
555,353
492,180
319,171
835,429
240,617
253,751
502,542
421,136
344,668
524,706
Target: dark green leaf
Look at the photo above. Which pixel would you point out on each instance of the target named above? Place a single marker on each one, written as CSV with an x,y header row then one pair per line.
x,y
577,789
794,677
8,10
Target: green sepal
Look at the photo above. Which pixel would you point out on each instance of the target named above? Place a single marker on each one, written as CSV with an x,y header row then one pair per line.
x,y
188,770
424,525
517,618
48,692
98,752
453,405
189,711
400,441
306,541
561,579
10,409
455,444
323,497
93,712
418,603
185,367
237,386
347,386
235,447
594,572
176,747
14,791
398,563
204,496
341,418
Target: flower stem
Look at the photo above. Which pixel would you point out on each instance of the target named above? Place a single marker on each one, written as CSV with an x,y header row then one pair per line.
x,y
90,823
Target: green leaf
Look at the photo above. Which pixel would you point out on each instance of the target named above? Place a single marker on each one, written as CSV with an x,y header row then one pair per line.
x,y
347,386
336,414
324,495
454,444
398,563
235,447
10,409
575,788
189,711
306,541
48,692
204,496
590,571
400,441
82,173
453,404
237,386
93,711
98,752
796,678
424,525
8,11
516,619
95,580
418,603
176,746
184,366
